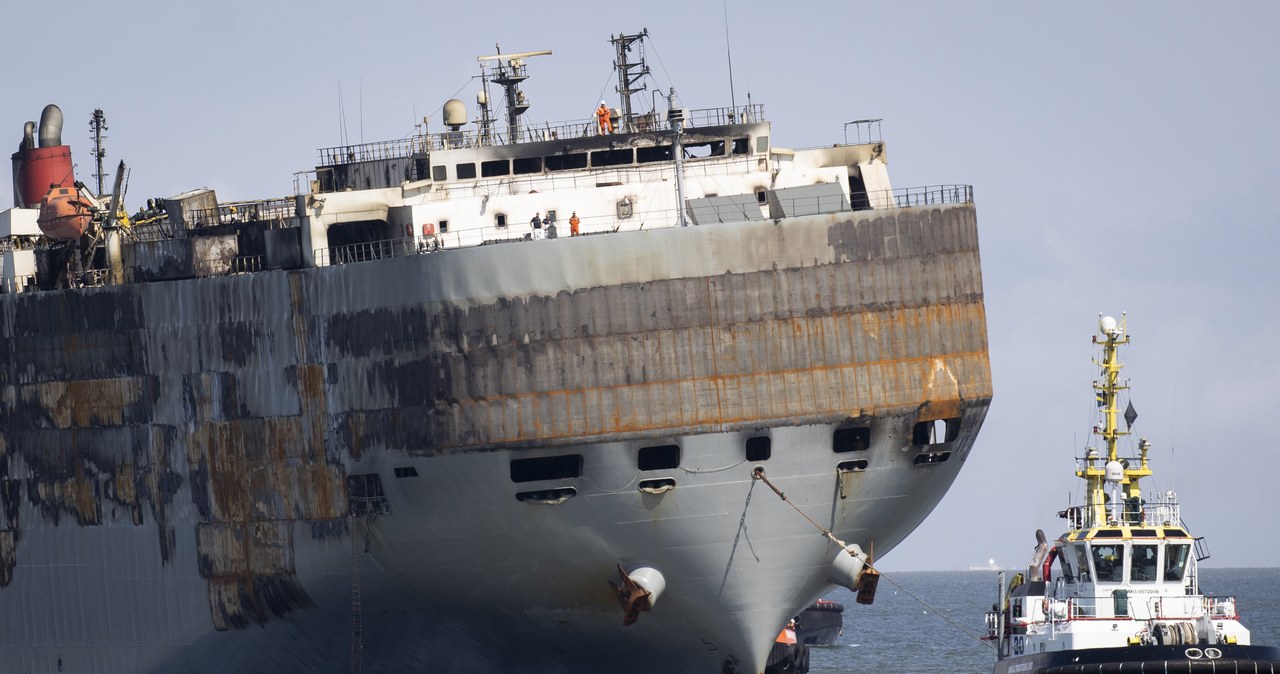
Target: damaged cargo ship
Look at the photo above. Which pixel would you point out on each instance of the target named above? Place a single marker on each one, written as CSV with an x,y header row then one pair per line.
x,y
390,423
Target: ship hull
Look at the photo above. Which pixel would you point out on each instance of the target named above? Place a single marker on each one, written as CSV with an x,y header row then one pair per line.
x,y
298,470
1227,658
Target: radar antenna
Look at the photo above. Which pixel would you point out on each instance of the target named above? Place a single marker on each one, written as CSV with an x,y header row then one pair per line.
x,y
509,72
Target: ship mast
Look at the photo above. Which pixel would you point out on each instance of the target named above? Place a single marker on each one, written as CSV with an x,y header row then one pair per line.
x,y
98,124
1116,471
509,72
629,73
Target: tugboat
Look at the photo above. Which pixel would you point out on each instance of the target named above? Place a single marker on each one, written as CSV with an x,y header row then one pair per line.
x,y
821,623
1125,595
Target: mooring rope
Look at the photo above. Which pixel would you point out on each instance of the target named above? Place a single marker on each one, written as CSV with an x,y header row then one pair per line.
x,y
758,474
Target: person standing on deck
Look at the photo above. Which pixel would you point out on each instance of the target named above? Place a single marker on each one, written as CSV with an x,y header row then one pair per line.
x,y
605,118
573,224
536,224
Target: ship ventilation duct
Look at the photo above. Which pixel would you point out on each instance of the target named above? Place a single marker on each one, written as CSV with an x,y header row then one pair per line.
x,y
51,126
28,136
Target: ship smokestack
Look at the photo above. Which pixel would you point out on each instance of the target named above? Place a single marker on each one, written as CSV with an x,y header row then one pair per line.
x,y
51,126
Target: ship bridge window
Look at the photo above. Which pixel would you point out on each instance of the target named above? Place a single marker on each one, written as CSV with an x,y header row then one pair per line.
x,y
612,157
526,165
936,431
1082,562
759,448
762,144
645,155
439,174
661,457
1142,564
713,148
1175,561
741,145
1175,533
1108,562
559,467
465,171
1064,565
855,439
564,162
499,219
495,167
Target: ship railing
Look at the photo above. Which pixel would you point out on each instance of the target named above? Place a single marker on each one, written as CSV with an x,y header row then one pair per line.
x,y
277,209
366,251
246,264
629,219
1124,606
419,143
932,195
398,148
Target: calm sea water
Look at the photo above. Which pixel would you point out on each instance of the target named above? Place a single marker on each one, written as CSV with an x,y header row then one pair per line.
x,y
896,635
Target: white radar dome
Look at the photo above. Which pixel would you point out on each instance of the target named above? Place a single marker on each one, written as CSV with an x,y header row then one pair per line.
x,y
1115,471
1107,325
455,113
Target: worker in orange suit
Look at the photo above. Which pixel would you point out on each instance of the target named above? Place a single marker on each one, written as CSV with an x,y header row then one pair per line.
x,y
573,224
605,118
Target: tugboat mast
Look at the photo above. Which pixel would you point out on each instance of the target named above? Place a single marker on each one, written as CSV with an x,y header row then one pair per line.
x,y
1116,471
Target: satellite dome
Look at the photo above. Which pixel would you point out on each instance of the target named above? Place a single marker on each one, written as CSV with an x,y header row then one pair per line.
x,y
455,113
1115,471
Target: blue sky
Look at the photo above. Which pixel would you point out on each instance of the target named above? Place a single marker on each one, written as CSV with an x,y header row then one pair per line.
x,y
1123,156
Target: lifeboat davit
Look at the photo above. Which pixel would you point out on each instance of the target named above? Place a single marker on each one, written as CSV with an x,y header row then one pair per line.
x,y
64,214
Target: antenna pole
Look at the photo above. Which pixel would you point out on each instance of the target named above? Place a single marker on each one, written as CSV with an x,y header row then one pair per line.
x,y
98,124
676,117
729,55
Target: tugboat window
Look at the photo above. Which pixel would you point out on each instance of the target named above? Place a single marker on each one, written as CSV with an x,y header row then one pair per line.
x,y
1142,564
1082,563
465,171
1065,566
1108,561
1175,561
